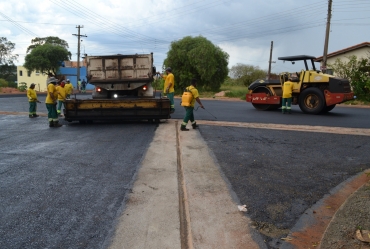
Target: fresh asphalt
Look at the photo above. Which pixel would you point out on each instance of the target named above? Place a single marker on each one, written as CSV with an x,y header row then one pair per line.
x,y
64,188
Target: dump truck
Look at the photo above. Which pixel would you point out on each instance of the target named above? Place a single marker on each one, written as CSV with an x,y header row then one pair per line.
x,y
123,91
314,91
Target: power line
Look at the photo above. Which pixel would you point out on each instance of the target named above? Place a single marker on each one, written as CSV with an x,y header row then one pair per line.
x,y
18,25
45,23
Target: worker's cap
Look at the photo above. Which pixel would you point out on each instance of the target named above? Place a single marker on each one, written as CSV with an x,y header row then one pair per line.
x,y
67,80
169,69
52,80
32,84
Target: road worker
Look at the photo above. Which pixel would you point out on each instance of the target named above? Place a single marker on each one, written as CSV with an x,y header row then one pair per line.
x,y
69,89
32,99
51,101
61,96
189,107
169,86
287,95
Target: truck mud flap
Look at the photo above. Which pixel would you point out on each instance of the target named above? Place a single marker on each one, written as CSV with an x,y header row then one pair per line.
x,y
133,109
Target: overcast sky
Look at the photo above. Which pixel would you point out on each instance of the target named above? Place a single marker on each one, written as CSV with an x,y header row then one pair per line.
x,y
242,28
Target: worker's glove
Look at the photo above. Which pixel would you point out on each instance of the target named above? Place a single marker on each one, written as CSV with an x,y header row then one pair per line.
x,y
167,90
38,101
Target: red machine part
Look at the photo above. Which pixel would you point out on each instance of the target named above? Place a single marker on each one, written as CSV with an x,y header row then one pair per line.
x,y
336,98
262,98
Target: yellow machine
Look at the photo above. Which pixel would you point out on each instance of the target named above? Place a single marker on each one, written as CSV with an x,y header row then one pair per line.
x,y
314,91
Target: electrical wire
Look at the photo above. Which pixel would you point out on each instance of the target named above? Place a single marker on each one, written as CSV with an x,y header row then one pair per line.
x,y
27,31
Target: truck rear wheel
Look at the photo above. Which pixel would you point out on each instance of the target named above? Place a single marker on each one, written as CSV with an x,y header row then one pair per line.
x,y
312,100
264,107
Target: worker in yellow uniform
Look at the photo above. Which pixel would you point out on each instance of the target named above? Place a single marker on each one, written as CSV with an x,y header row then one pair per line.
x,y
69,89
189,108
32,99
51,101
61,96
287,96
169,87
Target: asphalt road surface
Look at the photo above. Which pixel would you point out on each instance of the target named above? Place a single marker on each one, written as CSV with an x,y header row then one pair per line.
x,y
64,188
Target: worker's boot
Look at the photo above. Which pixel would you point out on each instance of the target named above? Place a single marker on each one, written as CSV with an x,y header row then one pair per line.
x,y
30,116
183,128
56,124
51,124
283,111
195,126
289,111
35,115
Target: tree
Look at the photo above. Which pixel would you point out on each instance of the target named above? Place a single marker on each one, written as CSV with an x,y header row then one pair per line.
x,y
246,74
46,58
6,49
53,40
357,72
196,57
8,70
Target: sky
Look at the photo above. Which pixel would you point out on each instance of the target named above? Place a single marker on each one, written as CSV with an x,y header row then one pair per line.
x,y
242,28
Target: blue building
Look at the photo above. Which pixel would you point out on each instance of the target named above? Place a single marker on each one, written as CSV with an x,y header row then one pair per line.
x,y
71,74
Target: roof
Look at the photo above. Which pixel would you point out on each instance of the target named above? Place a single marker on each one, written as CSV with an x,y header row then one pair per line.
x,y
345,50
297,58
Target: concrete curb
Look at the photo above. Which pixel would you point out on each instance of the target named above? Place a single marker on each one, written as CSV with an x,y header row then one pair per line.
x,y
312,225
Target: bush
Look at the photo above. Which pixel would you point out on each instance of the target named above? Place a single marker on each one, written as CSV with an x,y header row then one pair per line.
x,y
3,83
236,93
22,86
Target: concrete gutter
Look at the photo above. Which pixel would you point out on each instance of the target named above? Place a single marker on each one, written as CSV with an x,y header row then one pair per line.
x,y
180,199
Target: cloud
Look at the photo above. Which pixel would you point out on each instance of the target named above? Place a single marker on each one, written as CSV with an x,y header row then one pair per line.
x,y
243,29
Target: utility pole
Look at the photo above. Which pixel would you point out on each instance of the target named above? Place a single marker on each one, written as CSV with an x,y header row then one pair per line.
x,y
270,61
78,51
324,57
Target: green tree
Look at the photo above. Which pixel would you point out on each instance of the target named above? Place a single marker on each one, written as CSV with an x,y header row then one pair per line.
x,y
6,52
196,57
53,40
8,70
246,74
357,72
46,58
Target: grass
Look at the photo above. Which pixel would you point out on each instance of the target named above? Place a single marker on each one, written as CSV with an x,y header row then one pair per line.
x,y
357,102
230,92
